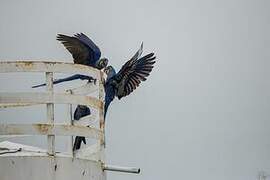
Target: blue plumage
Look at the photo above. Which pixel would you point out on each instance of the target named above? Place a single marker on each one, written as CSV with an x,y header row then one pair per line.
x,y
81,111
84,51
120,84
128,78
93,50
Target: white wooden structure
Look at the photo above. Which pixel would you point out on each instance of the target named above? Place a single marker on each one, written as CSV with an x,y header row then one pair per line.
x,y
22,162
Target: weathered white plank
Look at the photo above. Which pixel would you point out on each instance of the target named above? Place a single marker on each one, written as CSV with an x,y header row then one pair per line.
x,y
85,121
86,89
11,105
48,129
83,90
44,98
38,66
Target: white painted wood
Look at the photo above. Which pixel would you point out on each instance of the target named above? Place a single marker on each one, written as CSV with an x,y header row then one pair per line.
x,y
101,117
10,105
86,121
50,113
91,152
44,97
36,66
49,168
28,164
101,99
45,129
69,121
86,89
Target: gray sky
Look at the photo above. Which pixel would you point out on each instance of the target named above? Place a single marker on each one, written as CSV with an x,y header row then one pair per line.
x,y
204,111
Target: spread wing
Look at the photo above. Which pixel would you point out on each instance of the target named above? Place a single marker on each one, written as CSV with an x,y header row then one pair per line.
x,y
83,49
132,73
137,54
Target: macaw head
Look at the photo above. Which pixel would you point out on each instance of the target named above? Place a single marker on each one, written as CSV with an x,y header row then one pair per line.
x,y
102,63
110,71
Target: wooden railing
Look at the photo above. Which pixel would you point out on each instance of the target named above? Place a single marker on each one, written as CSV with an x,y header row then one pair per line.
x,y
50,98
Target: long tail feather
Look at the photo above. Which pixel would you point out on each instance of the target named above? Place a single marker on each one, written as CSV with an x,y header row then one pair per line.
x,y
70,78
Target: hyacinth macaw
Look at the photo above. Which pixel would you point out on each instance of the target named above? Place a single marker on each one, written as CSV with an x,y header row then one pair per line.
x,y
80,112
120,84
84,51
128,78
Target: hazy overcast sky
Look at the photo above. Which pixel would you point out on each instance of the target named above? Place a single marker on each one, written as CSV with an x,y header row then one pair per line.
x,y
203,114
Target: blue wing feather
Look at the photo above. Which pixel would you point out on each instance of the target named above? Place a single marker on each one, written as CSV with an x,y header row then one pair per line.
x,y
83,49
91,46
132,73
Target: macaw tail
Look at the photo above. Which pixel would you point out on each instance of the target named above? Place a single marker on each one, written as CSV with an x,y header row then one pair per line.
x,y
78,142
70,78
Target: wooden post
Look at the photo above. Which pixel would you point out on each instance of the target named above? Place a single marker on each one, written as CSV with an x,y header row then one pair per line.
x,y
50,113
101,115
70,122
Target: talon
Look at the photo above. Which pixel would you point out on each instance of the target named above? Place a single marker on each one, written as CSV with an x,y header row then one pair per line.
x,y
91,79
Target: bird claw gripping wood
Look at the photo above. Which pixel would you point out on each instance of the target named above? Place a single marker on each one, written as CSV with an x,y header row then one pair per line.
x,y
92,80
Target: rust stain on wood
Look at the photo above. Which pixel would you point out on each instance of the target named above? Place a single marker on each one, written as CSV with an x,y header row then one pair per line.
x,y
43,128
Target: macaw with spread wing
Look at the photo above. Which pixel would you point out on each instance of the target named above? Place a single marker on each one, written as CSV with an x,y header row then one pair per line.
x,y
84,51
132,73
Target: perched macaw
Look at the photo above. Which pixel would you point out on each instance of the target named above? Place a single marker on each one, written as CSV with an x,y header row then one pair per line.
x,y
80,112
84,51
128,78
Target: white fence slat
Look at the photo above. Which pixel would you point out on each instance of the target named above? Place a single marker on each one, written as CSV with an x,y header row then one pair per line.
x,y
58,67
45,129
44,98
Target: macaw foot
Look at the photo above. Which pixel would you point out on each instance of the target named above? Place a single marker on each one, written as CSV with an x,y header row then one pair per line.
x,y
92,80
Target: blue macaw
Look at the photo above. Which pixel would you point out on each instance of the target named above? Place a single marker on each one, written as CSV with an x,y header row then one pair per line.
x,y
128,78
84,51
80,112
118,84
